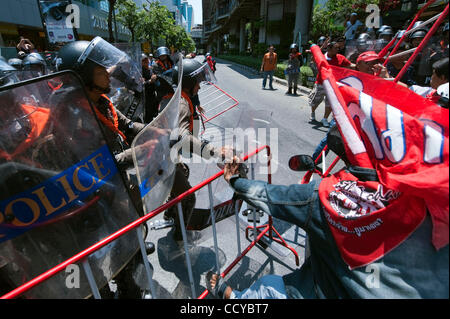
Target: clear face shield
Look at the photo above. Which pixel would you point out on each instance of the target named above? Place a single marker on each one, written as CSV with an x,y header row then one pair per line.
x,y
8,74
204,75
124,72
30,71
15,125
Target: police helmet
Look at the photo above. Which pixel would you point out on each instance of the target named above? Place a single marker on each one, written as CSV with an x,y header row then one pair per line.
x,y
321,40
418,34
362,40
6,73
15,63
294,46
383,27
33,59
446,27
193,72
386,32
162,51
69,59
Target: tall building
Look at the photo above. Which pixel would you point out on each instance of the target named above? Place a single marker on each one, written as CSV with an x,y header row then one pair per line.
x,y
236,25
181,10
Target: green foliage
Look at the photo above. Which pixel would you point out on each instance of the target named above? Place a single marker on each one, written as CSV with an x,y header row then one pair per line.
x,y
329,20
129,16
155,22
177,37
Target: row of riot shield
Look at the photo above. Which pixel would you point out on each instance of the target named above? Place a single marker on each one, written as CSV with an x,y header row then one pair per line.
x,y
61,190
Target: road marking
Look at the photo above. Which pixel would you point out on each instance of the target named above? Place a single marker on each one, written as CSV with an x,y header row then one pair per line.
x,y
259,120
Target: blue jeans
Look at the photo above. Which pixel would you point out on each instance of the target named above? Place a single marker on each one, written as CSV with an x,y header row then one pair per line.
x,y
322,144
267,287
265,75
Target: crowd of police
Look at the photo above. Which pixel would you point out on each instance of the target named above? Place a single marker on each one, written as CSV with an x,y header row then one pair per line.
x,y
359,50
153,83
110,79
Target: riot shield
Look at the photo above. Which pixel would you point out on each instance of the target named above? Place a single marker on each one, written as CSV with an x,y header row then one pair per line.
x,y
133,50
61,191
126,78
154,167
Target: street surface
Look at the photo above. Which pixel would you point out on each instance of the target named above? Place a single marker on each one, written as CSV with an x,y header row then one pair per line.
x,y
271,111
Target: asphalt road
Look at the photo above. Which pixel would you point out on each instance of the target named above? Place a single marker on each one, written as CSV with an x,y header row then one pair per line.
x,y
283,123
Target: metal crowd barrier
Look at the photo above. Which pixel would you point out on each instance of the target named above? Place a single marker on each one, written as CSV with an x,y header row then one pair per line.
x,y
82,256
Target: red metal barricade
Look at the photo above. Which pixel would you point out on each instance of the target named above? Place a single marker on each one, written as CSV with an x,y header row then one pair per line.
x,y
214,102
82,256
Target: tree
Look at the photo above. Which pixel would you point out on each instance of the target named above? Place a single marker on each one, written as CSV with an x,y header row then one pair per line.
x,y
111,3
329,19
129,16
156,21
179,38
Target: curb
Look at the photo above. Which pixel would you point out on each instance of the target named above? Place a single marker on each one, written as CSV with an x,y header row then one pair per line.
x,y
303,89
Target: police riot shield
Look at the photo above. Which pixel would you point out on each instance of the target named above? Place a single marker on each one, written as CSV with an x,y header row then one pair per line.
x,y
61,191
126,78
133,50
154,163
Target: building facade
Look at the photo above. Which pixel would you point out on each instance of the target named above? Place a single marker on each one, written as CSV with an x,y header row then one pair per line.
x,y
23,18
241,25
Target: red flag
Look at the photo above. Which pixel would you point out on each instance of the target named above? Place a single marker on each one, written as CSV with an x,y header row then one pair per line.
x,y
405,138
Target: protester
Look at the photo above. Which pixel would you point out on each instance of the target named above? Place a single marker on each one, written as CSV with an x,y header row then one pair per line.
x,y
317,94
268,66
293,68
211,62
25,45
368,62
438,78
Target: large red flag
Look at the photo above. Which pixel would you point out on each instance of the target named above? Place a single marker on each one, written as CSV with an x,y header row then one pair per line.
x,y
405,138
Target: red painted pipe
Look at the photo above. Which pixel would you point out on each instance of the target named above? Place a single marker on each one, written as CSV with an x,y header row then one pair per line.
x,y
422,44
92,249
409,28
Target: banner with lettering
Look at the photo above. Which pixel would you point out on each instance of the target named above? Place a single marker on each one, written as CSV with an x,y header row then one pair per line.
x,y
65,192
404,137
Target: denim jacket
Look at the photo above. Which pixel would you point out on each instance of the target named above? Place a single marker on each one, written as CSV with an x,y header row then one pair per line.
x,y
414,269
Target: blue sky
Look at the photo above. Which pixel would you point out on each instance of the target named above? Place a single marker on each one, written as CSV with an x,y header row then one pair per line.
x,y
198,14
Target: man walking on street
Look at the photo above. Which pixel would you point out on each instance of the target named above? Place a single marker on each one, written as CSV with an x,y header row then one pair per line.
x,y
268,66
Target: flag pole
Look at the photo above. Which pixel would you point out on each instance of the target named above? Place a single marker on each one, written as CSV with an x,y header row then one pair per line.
x,y
422,44
409,28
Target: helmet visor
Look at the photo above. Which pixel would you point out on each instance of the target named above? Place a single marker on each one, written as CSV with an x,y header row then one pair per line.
x,y
119,65
204,74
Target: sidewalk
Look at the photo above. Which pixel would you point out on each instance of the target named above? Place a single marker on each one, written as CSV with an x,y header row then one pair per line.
x,y
302,89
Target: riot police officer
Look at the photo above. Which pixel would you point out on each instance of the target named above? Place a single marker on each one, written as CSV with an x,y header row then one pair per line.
x,y
193,74
88,60
16,63
35,64
163,62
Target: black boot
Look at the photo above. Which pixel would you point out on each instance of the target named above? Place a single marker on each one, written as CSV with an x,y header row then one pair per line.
x,y
289,91
295,91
